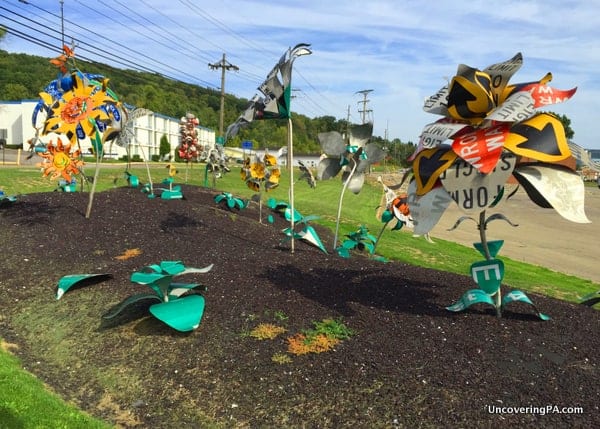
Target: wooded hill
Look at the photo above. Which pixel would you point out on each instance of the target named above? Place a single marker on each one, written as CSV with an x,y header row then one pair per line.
x,y
25,76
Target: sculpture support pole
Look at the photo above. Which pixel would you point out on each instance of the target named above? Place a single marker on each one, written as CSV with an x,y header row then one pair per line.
x,y
290,158
339,213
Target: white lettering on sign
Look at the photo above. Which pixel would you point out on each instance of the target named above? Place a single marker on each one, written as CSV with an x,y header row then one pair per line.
x,y
472,190
441,98
486,270
517,107
473,146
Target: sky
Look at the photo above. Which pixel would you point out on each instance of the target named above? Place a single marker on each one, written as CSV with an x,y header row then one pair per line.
x,y
391,54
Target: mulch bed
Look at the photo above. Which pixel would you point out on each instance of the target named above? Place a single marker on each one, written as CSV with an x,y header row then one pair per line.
x,y
410,363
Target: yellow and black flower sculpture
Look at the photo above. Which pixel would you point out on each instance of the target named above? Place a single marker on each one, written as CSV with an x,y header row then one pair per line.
x,y
489,132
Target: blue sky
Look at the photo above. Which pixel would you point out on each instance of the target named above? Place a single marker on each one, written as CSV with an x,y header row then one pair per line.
x,y
402,50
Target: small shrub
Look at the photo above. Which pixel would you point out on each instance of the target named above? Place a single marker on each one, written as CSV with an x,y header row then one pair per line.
x,y
266,331
281,358
323,338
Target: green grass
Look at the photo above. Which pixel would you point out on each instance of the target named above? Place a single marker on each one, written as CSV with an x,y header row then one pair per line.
x,y
24,402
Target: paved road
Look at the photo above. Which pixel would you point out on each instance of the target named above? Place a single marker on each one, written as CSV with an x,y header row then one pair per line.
x,y
542,236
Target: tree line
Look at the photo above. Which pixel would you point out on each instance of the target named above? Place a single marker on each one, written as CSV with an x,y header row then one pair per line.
x,y
25,76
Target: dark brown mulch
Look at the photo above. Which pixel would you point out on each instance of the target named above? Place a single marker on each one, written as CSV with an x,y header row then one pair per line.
x,y
411,363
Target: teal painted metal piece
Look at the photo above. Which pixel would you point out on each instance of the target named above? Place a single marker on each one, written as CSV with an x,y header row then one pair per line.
x,y
132,179
171,194
175,307
494,247
519,296
6,199
230,201
183,314
65,186
133,299
469,298
68,281
488,274
591,299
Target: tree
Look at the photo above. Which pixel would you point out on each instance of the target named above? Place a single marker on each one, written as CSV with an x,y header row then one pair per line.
x,y
569,133
165,147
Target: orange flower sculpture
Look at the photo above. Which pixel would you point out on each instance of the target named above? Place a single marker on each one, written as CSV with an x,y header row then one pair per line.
x,y
59,161
81,111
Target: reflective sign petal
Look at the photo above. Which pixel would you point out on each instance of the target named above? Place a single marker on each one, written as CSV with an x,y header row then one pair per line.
x,y
470,97
473,191
554,186
427,210
541,137
482,148
428,166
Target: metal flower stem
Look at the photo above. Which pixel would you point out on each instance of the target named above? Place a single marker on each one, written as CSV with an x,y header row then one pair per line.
x,y
88,211
486,250
339,213
147,169
380,234
291,170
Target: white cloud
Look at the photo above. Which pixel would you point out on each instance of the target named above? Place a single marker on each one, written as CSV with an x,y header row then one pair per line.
x,y
402,50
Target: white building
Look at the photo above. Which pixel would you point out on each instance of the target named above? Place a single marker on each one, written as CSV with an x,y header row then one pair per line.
x,y
16,129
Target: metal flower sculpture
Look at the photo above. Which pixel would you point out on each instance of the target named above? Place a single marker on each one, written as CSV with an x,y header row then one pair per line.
x,y
60,161
216,163
78,106
123,135
495,131
395,213
6,199
188,148
261,174
353,158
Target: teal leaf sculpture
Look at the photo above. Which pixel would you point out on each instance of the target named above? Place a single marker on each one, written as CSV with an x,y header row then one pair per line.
x,y
230,202
488,275
307,233
6,199
78,280
359,240
173,305
591,299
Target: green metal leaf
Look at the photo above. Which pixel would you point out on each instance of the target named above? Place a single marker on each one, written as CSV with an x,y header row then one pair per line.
x,y
183,314
469,298
519,296
591,299
349,244
80,280
386,216
178,289
343,252
128,302
494,247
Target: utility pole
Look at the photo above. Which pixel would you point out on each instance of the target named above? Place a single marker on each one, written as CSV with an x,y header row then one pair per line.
x,y
364,102
223,65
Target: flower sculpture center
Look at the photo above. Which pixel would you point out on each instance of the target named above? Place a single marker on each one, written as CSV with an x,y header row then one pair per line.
x,y
61,160
76,110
